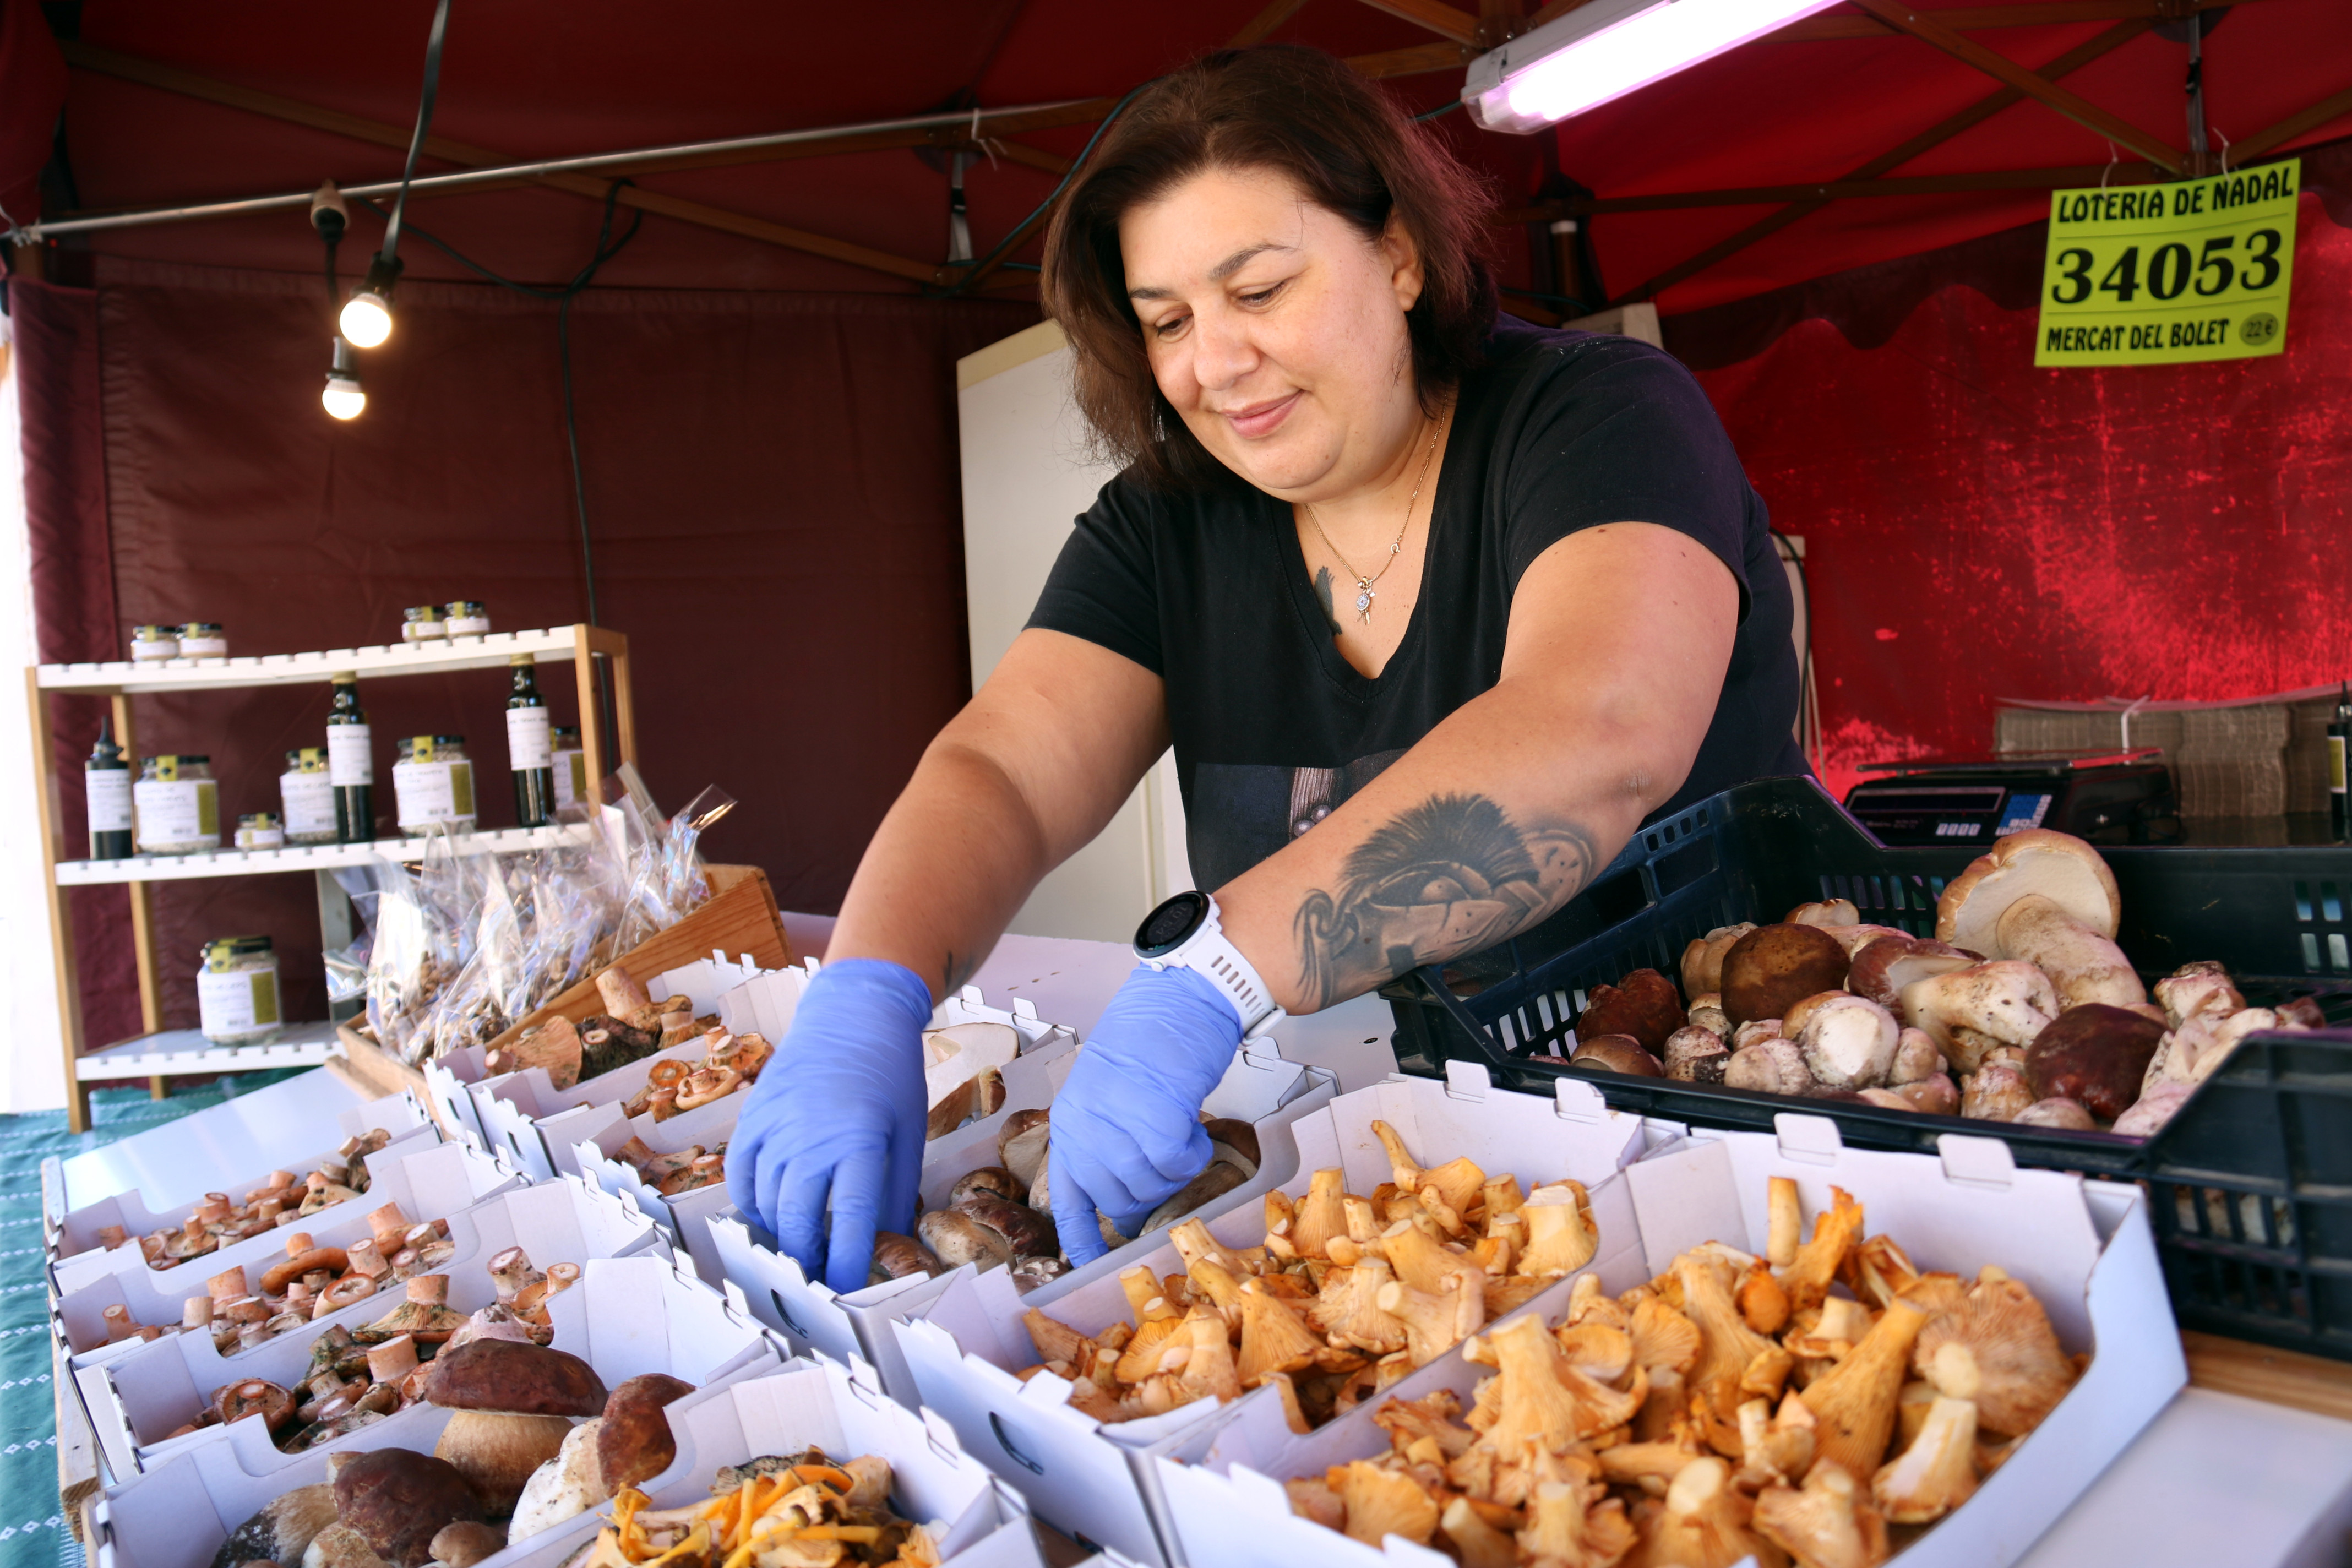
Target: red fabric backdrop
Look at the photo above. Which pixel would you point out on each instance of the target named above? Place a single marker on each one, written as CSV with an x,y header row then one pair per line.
x,y
773,490
1975,528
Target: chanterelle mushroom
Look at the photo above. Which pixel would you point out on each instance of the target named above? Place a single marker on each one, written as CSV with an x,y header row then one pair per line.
x,y
514,1404
1997,1349
2049,899
1937,1472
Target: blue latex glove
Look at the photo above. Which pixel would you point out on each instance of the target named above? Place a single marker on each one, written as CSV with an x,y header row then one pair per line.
x,y
838,1112
1126,1124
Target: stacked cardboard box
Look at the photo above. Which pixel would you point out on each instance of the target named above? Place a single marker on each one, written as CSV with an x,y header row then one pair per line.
x,y
2227,759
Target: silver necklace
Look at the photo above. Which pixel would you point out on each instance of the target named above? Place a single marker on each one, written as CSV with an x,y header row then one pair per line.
x,y
1364,591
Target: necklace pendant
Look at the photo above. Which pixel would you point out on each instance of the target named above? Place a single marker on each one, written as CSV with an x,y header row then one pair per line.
x,y
1364,597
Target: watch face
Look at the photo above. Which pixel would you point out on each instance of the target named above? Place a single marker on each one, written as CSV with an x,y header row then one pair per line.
x,y
1167,927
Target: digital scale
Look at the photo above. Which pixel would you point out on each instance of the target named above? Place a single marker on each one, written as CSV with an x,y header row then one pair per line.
x,y
2110,797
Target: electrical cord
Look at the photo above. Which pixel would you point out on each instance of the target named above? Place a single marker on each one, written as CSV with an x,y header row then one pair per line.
x,y
423,120
1443,109
606,248
1020,231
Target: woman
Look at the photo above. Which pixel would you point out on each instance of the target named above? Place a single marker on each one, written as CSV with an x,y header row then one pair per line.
x,y
1435,607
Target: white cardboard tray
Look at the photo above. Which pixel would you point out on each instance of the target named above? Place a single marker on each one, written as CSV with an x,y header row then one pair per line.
x,y
178,1516
138,1393
1259,1088
432,1181
179,1174
596,1133
2082,1247
1098,1481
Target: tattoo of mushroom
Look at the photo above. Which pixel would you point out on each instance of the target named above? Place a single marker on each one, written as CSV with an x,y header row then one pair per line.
x,y
1450,876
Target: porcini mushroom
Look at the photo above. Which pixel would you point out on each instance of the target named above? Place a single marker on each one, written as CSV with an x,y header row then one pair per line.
x,y
1695,1054
1887,963
2047,898
1969,1011
1642,1005
1617,1053
281,1531
1770,1067
1848,1041
1775,966
398,1502
513,1406
1702,961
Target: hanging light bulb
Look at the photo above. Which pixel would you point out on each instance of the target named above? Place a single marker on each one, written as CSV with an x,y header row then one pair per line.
x,y
366,320
343,396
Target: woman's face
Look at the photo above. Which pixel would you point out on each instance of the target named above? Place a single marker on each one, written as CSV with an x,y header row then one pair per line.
x,y
1276,329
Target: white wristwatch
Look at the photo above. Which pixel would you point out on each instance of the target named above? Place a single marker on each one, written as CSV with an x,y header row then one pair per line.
x,y
1184,930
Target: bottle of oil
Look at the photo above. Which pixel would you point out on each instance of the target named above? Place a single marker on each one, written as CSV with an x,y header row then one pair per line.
x,y
350,762
106,780
530,746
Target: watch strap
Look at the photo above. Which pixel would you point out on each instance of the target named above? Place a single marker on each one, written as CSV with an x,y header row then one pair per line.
x,y
1211,954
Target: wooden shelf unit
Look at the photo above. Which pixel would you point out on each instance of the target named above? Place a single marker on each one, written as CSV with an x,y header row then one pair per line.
x,y
155,1053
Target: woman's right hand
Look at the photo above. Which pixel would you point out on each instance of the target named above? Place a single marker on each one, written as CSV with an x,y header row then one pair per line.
x,y
838,1114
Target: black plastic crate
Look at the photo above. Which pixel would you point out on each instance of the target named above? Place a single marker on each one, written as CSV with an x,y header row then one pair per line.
x,y
2275,916
2250,1191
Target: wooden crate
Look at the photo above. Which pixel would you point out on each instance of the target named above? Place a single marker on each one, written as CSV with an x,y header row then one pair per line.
x,y
738,918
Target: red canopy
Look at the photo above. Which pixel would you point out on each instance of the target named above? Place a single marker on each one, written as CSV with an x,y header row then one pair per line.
x,y
596,76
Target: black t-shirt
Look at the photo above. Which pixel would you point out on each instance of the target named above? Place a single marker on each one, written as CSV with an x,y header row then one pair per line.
x,y
1273,728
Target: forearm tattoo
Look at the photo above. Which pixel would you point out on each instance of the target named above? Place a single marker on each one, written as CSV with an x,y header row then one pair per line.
x,y
1451,875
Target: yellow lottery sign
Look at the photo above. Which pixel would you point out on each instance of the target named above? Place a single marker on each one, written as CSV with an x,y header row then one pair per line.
x,y
2170,274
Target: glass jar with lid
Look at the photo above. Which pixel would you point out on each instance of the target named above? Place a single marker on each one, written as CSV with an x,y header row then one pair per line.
x,y
203,639
469,619
571,765
306,797
151,643
423,623
260,830
176,806
236,991
433,785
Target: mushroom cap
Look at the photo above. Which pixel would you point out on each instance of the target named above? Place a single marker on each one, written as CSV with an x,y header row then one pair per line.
x,y
1773,967
1618,1053
2094,1055
399,1500
508,1377
634,1442
1643,1004
1885,966
2058,1112
2059,865
281,1531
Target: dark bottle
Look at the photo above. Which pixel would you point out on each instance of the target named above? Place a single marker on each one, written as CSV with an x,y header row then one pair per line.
x,y
350,762
530,746
2339,740
106,783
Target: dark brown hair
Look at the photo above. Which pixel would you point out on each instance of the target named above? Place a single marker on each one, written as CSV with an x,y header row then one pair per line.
x,y
1348,146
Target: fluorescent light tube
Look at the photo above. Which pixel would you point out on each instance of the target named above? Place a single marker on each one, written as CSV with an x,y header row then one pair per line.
x,y
1607,48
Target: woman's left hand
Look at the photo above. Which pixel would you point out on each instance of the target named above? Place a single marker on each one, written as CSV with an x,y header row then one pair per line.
x,y
1127,1131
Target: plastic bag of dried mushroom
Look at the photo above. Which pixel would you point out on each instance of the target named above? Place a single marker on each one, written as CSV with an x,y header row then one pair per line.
x,y
1345,1296
358,1376
1732,1406
1002,1215
533,1439
217,1222
801,1510
2021,1008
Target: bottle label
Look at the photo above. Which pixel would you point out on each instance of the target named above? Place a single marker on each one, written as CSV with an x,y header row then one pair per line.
x,y
309,802
350,759
430,793
110,800
237,1002
2335,765
528,739
570,778
175,817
